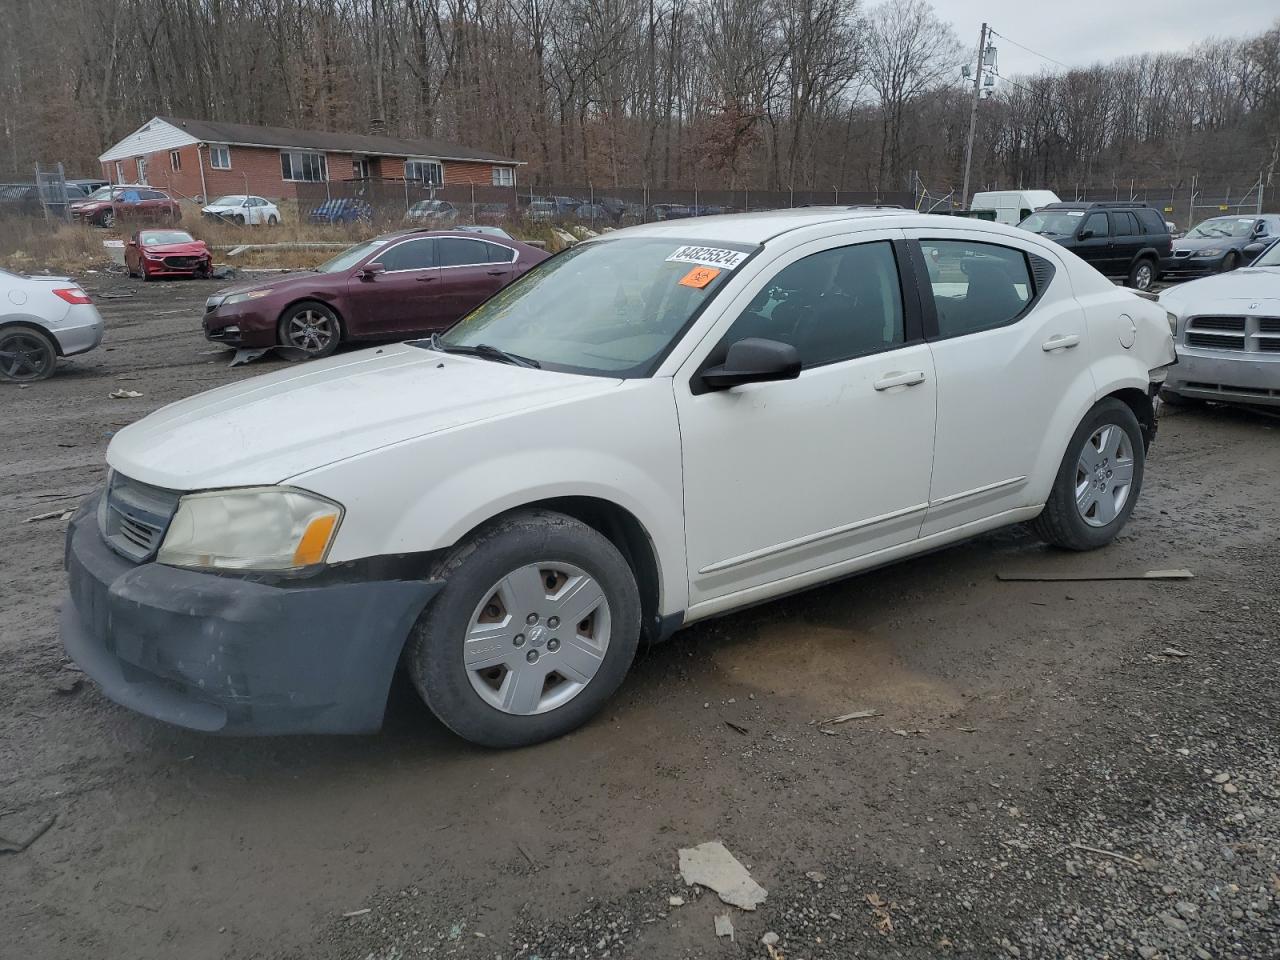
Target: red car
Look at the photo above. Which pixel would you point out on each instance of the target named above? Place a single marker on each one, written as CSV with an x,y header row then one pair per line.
x,y
392,287
166,253
106,205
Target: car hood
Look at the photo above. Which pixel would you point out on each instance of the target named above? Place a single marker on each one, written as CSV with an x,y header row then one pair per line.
x,y
1248,284
270,428
179,249
1209,243
273,283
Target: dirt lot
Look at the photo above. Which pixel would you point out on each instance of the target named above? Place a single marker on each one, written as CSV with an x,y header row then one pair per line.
x,y
1014,720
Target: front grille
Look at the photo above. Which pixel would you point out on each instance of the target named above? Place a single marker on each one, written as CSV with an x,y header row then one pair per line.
x,y
136,517
1219,323
1218,341
1229,388
1269,324
182,263
1269,344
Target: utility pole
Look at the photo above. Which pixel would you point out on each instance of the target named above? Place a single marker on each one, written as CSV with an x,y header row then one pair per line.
x,y
973,116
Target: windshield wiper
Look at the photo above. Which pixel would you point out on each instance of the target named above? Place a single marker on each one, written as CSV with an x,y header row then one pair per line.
x,y
484,350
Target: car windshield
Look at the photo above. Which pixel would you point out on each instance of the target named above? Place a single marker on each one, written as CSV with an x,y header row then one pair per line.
x,y
1057,222
228,202
102,193
426,206
609,308
150,237
1221,227
350,257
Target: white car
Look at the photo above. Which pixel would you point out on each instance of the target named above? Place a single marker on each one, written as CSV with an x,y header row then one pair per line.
x,y
242,209
652,428
1228,337
42,319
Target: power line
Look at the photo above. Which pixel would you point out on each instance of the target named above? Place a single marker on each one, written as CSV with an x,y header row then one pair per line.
x,y
1029,50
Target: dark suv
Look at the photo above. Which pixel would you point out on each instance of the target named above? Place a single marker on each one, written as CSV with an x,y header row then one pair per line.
x,y
1120,239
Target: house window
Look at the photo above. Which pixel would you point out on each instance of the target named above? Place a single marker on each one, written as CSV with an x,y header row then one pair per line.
x,y
303,165
426,172
175,161
142,169
219,156
360,168
504,177
119,171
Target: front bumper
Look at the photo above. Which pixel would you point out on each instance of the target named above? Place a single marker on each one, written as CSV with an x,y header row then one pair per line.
x,y
240,325
1193,266
1228,375
161,268
228,654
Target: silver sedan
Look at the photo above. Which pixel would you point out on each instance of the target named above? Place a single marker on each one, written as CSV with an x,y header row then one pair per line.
x,y
42,319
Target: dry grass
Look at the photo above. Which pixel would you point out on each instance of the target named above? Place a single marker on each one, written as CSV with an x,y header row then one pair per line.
x,y
31,245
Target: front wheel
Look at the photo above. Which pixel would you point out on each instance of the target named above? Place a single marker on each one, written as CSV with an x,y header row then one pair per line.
x,y
1230,262
239,219
272,220
1098,482
1142,275
312,327
535,629
26,354
108,219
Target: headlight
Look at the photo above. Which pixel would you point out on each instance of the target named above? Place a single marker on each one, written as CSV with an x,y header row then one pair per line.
x,y
1211,252
242,297
1173,322
254,528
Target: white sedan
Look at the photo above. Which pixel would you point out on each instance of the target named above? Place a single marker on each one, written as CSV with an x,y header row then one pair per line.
x,y
662,425
41,319
242,209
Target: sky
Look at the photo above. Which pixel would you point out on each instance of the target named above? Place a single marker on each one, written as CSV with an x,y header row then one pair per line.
x,y
1082,32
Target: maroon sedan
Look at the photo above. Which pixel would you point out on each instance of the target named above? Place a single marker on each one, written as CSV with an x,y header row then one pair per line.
x,y
107,205
392,287
166,253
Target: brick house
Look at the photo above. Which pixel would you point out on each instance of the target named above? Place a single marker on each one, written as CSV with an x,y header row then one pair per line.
x,y
199,158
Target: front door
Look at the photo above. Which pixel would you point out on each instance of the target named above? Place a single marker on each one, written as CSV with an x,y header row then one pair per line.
x,y
784,479
403,299
1011,358
471,271
1094,244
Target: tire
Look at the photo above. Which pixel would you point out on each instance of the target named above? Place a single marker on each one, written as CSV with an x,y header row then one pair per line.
x,y
107,219
311,327
1142,274
1065,521
273,220
1230,262
483,703
239,218
27,354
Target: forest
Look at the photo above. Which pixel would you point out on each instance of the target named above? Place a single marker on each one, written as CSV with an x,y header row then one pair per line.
x,y
767,94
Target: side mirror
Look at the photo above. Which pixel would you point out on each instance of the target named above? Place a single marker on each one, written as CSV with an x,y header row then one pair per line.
x,y
1086,234
1253,249
371,270
754,360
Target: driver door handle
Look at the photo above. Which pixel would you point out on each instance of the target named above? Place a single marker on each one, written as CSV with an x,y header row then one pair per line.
x,y
907,379
1060,343
424,279
496,273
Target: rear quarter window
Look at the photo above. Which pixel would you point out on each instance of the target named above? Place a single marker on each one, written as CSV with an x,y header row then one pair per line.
x,y
1151,221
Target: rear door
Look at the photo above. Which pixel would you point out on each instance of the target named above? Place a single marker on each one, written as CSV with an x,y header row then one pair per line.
x,y
1128,238
471,271
404,298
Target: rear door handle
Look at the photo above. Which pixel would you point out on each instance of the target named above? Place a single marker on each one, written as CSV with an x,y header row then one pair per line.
x,y
908,379
1061,342
424,279
496,273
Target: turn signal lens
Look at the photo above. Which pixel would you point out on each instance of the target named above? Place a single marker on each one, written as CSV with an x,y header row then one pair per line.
x,y
315,541
72,295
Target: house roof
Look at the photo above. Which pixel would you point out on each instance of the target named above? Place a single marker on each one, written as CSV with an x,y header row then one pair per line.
x,y
244,134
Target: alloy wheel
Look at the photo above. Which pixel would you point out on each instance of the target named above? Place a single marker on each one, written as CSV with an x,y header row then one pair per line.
x,y
1104,475
537,638
1143,276
24,356
310,330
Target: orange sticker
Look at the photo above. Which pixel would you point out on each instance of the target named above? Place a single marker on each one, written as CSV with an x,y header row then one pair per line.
x,y
699,277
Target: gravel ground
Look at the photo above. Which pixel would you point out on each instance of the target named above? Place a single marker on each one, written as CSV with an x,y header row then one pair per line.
x,y
1054,769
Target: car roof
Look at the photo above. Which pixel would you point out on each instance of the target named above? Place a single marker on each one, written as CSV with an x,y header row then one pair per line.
x,y
463,234
1097,204
762,226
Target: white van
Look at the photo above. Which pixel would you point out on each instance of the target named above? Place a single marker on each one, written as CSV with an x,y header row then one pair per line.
x,y
1013,206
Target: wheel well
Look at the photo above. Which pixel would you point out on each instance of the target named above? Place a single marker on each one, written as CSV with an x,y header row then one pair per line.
x,y
34,325
626,533
1140,403
293,303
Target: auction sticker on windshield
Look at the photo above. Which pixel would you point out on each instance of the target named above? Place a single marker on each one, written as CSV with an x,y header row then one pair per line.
x,y
699,277
708,257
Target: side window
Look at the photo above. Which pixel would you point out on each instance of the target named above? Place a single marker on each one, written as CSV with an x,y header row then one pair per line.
x,y
1261,228
499,254
1151,221
456,252
1097,222
976,286
410,255
830,306
1126,224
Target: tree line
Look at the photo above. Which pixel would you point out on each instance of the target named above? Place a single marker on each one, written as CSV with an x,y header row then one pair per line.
x,y
767,94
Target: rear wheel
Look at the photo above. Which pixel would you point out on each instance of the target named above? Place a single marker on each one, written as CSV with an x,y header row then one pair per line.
x,y
26,354
1098,482
312,327
534,631
1142,274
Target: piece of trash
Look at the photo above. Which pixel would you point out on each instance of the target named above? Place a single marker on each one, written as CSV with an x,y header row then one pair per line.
x,y
68,685
223,273
828,731
880,917
901,733
1106,853
1117,575
122,295
1173,652
455,931
675,901
51,515
20,841
817,876
846,717
711,865
292,354
737,726
525,853
356,913
724,926
122,394
770,939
